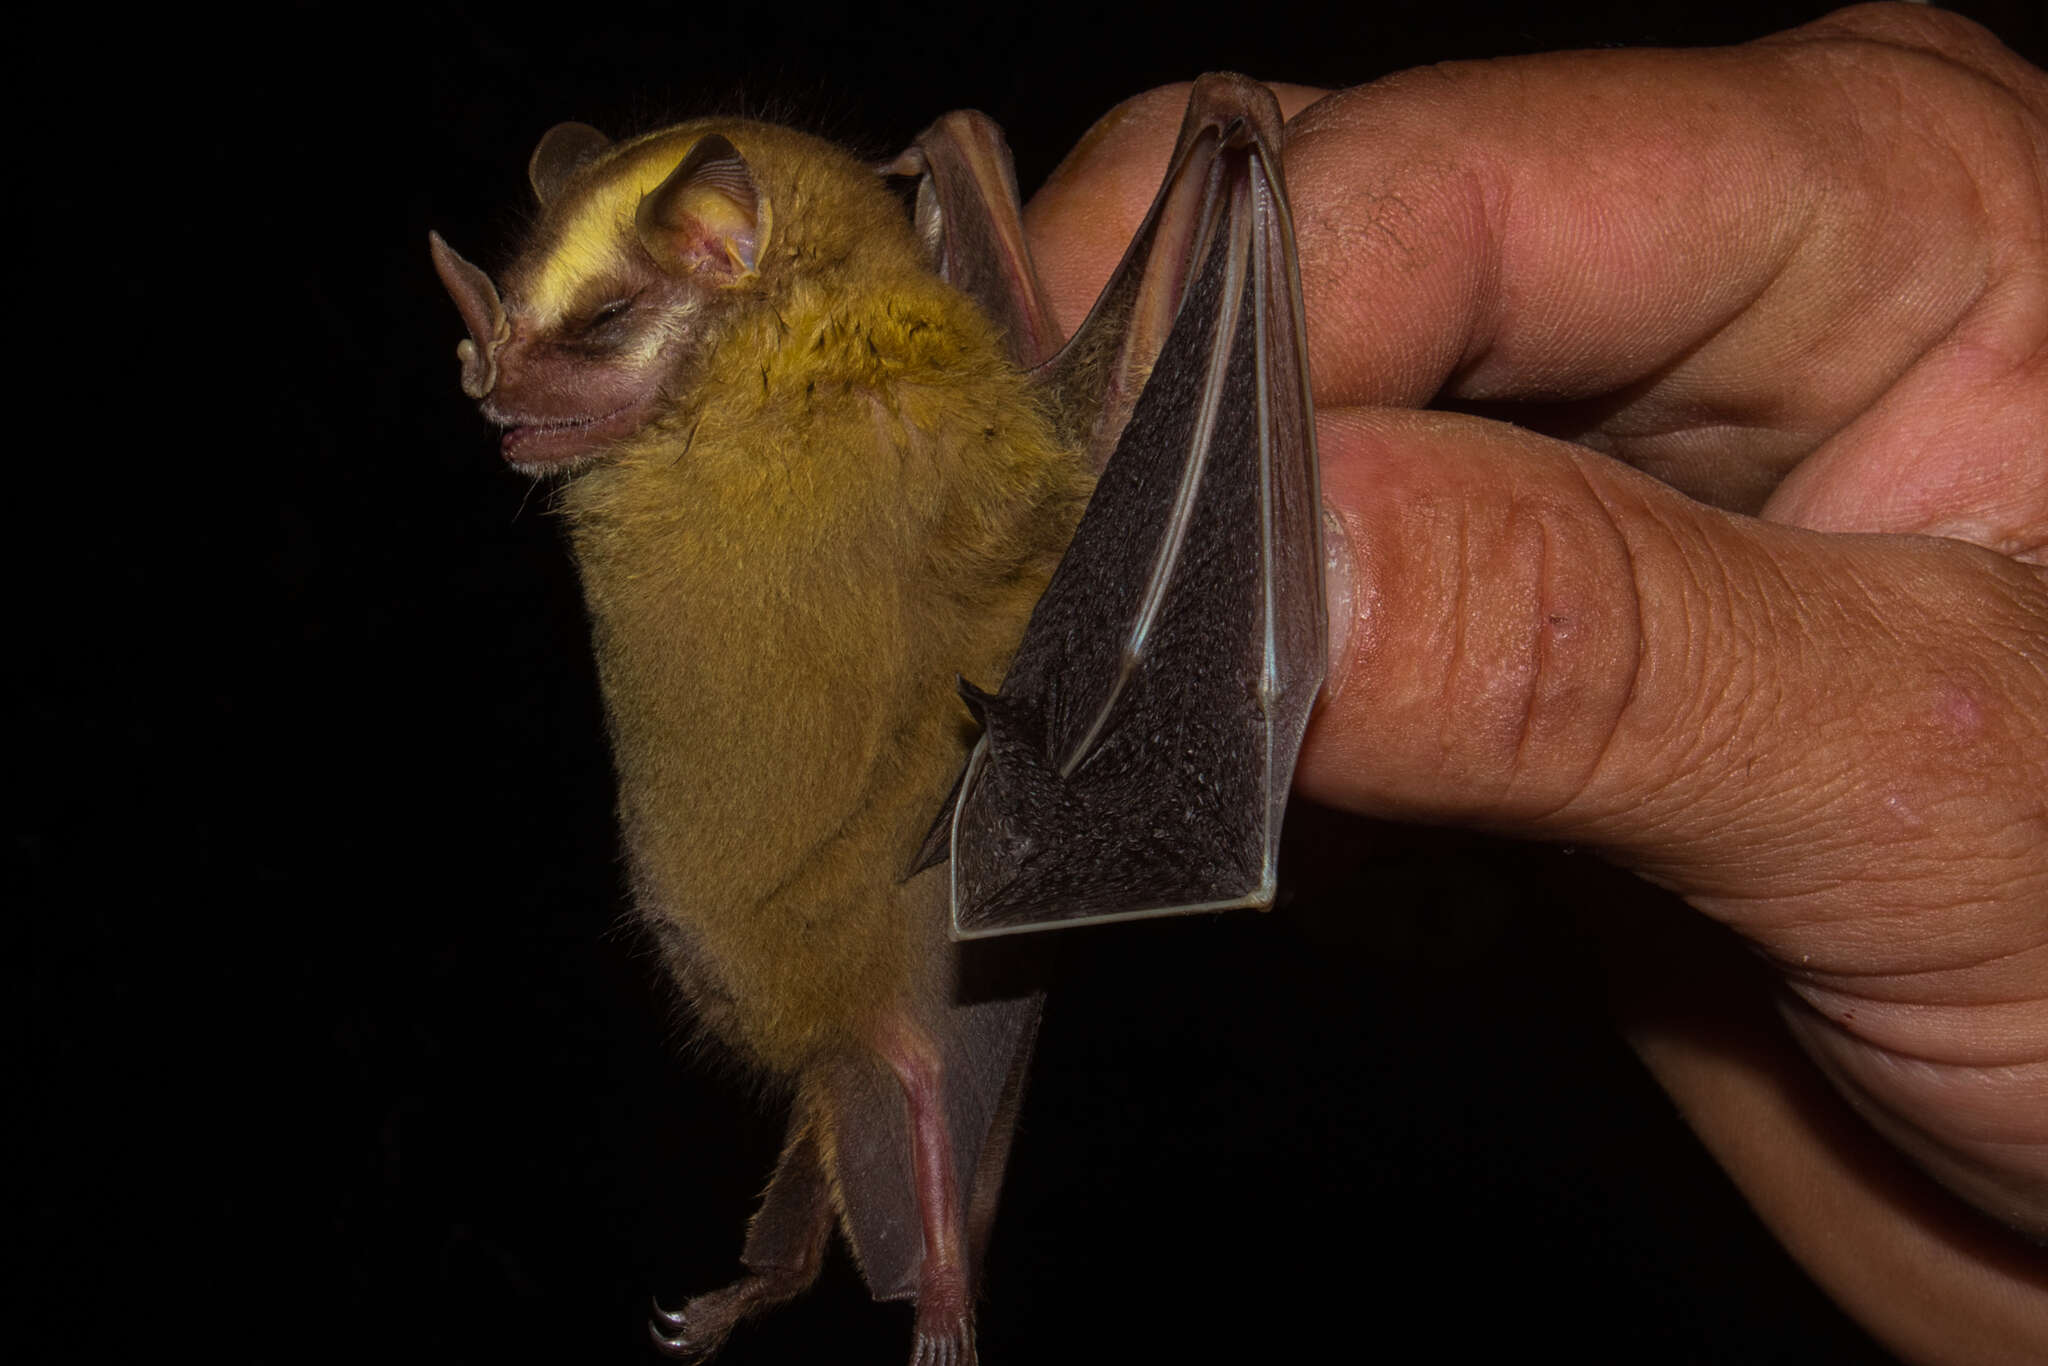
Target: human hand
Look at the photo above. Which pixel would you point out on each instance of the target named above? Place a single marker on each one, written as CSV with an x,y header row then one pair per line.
x,y
1761,613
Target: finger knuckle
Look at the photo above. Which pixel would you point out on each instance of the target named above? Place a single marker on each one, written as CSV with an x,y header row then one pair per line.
x,y
1546,649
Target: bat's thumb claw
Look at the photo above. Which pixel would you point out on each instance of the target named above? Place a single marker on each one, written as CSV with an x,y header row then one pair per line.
x,y
977,701
910,161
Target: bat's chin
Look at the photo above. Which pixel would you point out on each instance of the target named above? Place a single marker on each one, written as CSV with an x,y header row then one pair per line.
x,y
554,445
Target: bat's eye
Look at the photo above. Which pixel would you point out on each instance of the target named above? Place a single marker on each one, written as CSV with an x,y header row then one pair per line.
x,y
610,312
601,326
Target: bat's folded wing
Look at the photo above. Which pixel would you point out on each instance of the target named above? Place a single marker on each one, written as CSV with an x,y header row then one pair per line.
x,y
1137,758
973,228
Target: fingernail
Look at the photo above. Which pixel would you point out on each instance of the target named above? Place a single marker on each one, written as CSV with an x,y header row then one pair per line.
x,y
1339,589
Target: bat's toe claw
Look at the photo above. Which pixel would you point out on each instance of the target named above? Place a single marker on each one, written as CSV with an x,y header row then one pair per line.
x,y
680,1343
677,1345
685,1336
700,1327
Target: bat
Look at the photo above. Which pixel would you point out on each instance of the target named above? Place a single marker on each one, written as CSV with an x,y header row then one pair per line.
x,y
827,470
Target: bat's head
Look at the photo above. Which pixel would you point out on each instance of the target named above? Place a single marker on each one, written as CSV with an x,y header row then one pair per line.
x,y
644,252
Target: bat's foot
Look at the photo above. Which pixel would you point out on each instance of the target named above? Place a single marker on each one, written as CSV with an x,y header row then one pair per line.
x,y
689,1334
944,1344
700,1327
945,1323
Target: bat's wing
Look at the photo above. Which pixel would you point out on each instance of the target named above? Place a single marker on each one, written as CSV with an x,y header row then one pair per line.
x,y
973,231
1137,759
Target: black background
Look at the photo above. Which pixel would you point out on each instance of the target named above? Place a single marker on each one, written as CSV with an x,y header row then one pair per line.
x,y
334,1043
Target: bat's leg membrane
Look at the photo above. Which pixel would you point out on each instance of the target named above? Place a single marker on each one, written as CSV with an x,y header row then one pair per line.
x,y
785,1248
987,1185
945,1308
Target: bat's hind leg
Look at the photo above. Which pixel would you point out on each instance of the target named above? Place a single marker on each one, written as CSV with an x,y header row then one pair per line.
x,y
785,1248
916,1131
945,1294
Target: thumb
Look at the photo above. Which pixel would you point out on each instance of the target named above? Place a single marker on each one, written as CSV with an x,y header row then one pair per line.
x,y
1789,728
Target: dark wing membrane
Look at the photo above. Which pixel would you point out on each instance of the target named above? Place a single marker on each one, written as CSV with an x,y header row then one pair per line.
x,y
1137,758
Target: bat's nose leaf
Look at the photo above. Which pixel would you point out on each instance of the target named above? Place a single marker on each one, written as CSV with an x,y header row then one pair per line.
x,y
483,313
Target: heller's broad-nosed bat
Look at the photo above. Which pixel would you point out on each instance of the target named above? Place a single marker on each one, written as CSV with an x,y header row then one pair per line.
x,y
822,461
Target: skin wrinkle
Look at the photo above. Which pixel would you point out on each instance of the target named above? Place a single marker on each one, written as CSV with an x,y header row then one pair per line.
x,y
1969,1086
1875,887
1880,270
1966,956
1994,1012
1858,935
1455,665
1638,628
1995,252
1722,706
1915,1077
1514,691
1877,624
1492,199
1960,153
1531,656
1381,235
1687,240
1950,1146
1361,226
1972,1006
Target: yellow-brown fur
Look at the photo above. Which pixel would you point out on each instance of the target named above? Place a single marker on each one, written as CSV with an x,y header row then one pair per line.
x,y
849,497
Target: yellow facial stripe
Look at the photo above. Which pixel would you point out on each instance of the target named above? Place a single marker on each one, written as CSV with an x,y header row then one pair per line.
x,y
583,252
599,224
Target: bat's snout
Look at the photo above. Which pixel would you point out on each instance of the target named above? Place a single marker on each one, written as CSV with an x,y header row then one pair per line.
x,y
476,298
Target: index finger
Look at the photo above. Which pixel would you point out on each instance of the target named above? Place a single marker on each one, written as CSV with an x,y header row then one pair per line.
x,y
1707,263
1704,262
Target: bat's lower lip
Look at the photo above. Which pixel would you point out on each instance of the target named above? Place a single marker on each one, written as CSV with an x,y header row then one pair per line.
x,y
542,444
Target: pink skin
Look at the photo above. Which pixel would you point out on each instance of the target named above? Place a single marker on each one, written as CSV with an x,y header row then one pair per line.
x,y
562,402
542,443
944,1317
565,394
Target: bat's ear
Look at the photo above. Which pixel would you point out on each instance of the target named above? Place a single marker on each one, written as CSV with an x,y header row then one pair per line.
x,y
564,150
707,219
